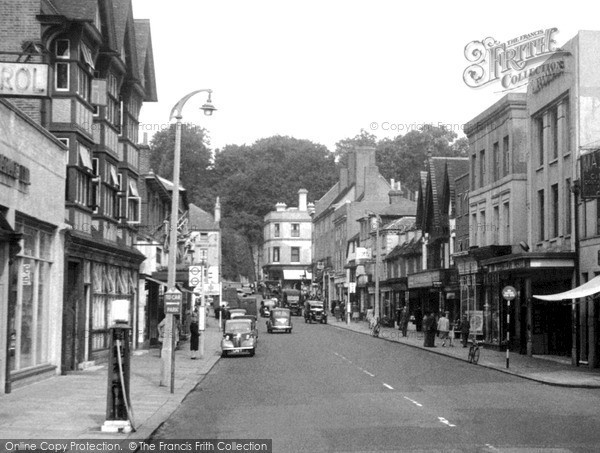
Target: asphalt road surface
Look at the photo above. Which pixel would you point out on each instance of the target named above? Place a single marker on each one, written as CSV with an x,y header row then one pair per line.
x,y
328,389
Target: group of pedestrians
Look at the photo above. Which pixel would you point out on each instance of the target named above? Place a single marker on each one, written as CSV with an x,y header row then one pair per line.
x,y
434,326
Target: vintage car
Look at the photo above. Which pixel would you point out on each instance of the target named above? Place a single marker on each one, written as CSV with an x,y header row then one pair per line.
x,y
239,336
236,312
316,312
292,299
280,320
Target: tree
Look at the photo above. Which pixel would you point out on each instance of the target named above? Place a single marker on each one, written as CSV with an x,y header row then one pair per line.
x,y
403,157
252,179
195,159
345,145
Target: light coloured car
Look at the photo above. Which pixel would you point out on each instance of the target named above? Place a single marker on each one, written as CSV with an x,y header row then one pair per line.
x,y
239,336
236,312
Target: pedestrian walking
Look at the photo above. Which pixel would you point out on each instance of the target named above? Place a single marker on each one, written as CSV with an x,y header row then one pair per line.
x,y
443,327
194,336
430,328
404,318
464,330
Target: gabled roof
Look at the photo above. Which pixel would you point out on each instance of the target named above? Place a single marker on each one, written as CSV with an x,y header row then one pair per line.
x,y
143,40
199,219
77,9
454,169
441,173
412,247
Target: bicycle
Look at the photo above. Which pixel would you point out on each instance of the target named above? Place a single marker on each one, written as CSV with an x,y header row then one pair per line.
x,y
474,351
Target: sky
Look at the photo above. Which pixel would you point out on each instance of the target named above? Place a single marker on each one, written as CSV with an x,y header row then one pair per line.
x,y
324,70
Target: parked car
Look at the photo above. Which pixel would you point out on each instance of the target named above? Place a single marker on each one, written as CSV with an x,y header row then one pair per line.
x,y
239,336
316,312
280,320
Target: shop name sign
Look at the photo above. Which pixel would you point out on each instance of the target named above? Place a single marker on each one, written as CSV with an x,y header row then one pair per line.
x,y
509,63
590,175
23,79
14,170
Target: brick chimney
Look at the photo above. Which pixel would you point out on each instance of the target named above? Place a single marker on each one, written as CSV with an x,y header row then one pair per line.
x,y
302,193
365,157
144,159
343,179
280,207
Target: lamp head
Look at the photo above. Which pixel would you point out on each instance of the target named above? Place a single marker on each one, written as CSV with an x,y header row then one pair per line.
x,y
208,108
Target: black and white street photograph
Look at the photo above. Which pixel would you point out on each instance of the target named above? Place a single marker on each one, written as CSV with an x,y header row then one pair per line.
x,y
299,226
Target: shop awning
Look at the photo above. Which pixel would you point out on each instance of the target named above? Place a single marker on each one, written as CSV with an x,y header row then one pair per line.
x,y
587,289
154,280
296,274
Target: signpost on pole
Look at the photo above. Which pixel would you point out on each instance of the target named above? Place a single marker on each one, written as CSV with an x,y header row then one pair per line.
x,y
172,308
508,293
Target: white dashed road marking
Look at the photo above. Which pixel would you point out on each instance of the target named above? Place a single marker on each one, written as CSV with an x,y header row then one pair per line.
x,y
445,422
416,403
413,401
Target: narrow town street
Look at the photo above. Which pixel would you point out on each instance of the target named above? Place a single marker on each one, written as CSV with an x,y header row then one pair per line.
x,y
328,389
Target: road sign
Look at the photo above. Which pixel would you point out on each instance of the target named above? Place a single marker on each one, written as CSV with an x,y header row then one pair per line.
x,y
194,275
173,301
509,293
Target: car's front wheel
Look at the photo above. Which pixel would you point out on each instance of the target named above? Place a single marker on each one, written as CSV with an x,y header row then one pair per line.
x,y
252,352
224,354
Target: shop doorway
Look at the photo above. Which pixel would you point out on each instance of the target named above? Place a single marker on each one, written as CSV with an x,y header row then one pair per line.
x,y
73,334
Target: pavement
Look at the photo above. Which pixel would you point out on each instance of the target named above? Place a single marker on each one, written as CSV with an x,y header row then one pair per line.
x,y
73,406
551,370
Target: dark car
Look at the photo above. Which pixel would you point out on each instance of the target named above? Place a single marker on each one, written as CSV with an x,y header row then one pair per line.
x,y
280,320
239,336
316,312
292,299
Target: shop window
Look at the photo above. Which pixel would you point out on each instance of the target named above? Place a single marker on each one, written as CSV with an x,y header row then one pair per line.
x,y
28,303
108,283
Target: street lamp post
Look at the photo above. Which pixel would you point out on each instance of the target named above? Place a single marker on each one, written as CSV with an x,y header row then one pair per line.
x,y
375,224
167,354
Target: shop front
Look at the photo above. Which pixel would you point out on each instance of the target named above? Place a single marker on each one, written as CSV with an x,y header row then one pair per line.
x,y
536,326
32,175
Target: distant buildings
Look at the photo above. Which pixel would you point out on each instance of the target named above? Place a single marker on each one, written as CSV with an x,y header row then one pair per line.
x,y
287,243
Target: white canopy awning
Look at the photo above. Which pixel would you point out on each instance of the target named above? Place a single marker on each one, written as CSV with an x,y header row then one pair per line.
x,y
587,289
296,274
